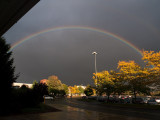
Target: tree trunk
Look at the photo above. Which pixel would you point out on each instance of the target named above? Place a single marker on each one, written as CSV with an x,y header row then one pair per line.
x,y
135,95
108,97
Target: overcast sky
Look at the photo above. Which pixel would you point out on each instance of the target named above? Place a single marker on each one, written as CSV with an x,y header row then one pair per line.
x,y
68,53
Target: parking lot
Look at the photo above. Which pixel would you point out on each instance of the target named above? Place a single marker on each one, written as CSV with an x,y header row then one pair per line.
x,y
126,99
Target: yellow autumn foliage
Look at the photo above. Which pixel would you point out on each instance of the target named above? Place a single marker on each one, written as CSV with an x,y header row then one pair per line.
x,y
103,77
152,58
72,90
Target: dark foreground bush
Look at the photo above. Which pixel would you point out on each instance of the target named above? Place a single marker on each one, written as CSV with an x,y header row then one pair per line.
x,y
21,98
24,97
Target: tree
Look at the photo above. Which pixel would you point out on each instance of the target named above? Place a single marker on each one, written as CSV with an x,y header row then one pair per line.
x,y
88,91
152,59
135,77
40,90
6,66
81,90
34,83
105,82
72,90
65,88
120,85
6,70
54,85
76,89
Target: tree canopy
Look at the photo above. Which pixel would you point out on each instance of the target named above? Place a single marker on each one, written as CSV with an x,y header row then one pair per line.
x,y
88,91
7,70
55,86
130,76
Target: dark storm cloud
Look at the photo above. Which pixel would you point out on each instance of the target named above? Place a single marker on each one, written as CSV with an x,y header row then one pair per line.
x,y
68,53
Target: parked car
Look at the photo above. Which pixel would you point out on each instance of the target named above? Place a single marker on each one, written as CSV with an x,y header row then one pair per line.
x,y
157,100
101,98
117,100
152,102
47,97
146,99
92,97
105,99
84,97
127,100
137,101
110,100
122,101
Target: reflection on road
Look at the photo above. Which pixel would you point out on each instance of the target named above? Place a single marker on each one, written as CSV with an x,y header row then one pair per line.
x,y
78,111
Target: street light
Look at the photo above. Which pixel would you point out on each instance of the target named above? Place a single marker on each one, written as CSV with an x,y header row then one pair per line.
x,y
95,53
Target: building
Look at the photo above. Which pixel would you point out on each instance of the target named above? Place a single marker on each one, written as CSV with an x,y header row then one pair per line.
x,y
18,85
84,87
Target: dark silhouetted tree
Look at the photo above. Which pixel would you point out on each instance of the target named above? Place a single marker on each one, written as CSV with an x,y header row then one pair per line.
x,y
40,89
6,71
88,91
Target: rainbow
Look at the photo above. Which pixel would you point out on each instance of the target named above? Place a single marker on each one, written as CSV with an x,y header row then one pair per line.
x,y
77,28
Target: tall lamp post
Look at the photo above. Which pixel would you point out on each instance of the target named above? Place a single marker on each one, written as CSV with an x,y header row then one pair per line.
x,y
95,53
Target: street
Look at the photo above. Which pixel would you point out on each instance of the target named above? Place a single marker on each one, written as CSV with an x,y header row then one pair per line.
x,y
79,110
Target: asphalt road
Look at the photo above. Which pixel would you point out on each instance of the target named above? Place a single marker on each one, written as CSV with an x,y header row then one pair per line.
x,y
71,109
108,110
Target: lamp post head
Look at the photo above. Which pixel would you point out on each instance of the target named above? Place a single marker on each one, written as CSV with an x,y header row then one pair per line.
x,y
94,53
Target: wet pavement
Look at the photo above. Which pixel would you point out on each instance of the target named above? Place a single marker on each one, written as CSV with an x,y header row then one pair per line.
x,y
77,110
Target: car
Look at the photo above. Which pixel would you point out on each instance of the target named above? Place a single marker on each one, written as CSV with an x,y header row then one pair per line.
x,y
47,97
137,101
127,100
105,99
152,102
146,99
122,101
157,100
110,100
84,97
92,97
101,98
117,100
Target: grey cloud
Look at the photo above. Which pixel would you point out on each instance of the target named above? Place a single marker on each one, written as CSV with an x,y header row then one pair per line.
x,y
68,53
